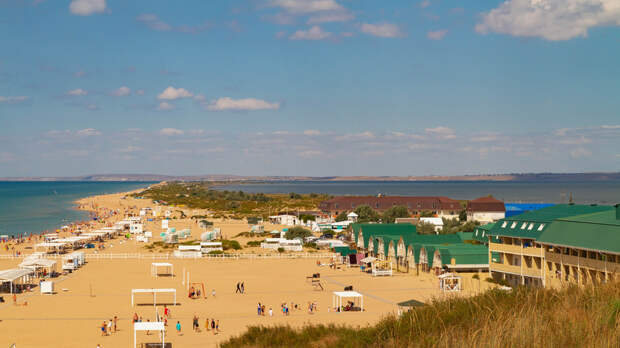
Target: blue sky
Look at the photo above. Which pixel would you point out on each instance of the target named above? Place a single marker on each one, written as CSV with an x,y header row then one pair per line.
x,y
309,87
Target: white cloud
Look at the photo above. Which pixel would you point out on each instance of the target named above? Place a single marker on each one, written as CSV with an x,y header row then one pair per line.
x,y
122,91
226,103
442,132
140,92
580,153
165,106
88,132
425,4
77,92
87,7
306,6
200,97
436,35
314,33
15,99
172,93
342,16
312,132
610,127
550,19
388,30
170,131
153,22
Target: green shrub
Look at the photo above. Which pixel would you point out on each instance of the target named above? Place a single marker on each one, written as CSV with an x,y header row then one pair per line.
x,y
280,249
230,244
254,243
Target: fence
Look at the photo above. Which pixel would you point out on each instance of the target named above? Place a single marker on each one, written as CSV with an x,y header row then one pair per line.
x,y
169,256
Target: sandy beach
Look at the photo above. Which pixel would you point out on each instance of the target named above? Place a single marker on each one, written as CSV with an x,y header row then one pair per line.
x,y
101,289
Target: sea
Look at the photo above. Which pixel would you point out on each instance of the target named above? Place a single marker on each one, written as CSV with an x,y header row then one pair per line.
x,y
34,207
581,192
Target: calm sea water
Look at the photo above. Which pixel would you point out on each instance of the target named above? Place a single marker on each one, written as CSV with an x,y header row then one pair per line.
x,y
516,192
27,207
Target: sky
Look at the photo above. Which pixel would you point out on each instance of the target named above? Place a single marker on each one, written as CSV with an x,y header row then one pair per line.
x,y
309,87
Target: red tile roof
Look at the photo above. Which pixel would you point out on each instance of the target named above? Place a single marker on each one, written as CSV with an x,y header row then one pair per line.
x,y
485,204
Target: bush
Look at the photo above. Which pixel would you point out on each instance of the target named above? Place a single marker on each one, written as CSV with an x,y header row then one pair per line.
x,y
475,276
254,243
280,249
298,232
311,245
230,244
342,217
215,252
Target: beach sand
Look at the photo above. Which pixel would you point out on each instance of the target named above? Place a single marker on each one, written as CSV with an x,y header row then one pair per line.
x,y
101,290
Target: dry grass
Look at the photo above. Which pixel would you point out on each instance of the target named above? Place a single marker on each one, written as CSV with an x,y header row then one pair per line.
x,y
572,317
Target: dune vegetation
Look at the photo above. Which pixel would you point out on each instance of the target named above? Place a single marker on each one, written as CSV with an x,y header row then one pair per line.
x,y
571,317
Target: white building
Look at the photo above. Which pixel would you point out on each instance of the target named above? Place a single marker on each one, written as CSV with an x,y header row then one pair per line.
x,y
435,221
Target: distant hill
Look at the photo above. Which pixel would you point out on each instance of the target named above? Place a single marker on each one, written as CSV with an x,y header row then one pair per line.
x,y
521,177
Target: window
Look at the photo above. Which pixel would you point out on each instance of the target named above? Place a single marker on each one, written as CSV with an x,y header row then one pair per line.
x,y
524,225
514,224
483,233
529,228
504,224
540,228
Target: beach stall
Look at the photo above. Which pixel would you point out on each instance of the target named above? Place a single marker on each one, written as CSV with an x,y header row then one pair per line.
x,y
207,247
149,326
188,251
73,261
286,244
15,276
450,282
381,268
155,266
50,247
41,267
354,301
408,305
154,292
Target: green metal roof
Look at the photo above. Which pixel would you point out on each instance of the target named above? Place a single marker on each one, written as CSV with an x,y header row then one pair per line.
x,y
411,303
345,251
481,233
533,223
596,231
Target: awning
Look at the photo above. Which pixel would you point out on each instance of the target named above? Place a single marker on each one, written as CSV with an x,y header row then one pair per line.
x,y
11,275
411,303
368,259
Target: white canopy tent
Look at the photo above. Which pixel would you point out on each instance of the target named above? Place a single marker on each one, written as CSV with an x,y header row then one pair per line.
x,y
339,295
35,264
49,246
150,326
154,292
156,265
368,259
11,275
450,282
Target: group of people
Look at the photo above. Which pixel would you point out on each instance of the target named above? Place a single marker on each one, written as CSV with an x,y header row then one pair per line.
x,y
261,310
195,293
240,288
110,326
210,325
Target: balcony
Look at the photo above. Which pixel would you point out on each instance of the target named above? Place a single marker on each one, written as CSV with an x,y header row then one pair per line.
x,y
505,248
575,261
499,267
532,251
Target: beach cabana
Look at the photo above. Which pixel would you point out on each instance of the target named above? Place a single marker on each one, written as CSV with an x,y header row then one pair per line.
x,y
382,268
408,305
36,265
156,265
15,275
450,282
49,247
154,292
149,326
348,296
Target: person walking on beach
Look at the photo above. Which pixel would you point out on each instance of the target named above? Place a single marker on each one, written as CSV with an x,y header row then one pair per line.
x,y
207,325
217,327
195,325
178,328
242,287
110,326
213,326
103,326
166,311
238,288
270,312
213,293
259,308
115,323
